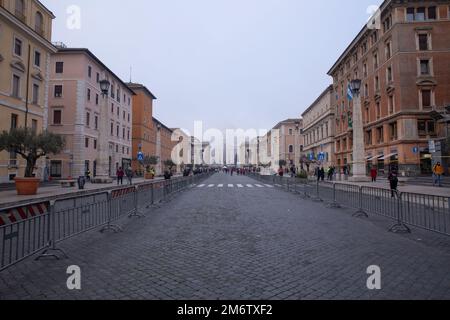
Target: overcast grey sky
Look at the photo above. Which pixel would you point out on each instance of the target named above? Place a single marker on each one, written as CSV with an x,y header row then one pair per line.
x,y
230,63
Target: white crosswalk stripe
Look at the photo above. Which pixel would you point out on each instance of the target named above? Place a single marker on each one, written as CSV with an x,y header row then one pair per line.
x,y
238,185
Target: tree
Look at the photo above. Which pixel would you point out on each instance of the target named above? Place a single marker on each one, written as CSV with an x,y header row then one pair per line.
x,y
31,146
150,161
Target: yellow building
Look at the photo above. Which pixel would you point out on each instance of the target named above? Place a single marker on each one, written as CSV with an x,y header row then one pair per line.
x,y
25,48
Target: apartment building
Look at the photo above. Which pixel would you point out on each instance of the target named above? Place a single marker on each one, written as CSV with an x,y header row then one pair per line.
x,y
404,69
97,127
25,35
319,130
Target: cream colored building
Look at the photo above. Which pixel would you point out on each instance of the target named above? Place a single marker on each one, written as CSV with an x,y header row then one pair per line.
x,y
290,141
25,35
319,130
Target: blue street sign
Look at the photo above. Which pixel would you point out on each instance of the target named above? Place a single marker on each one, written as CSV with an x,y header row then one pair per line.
x,y
321,156
415,150
140,156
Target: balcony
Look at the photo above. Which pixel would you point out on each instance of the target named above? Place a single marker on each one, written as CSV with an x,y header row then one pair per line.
x,y
20,16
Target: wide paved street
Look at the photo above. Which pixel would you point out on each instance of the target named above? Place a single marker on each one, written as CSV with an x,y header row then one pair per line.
x,y
235,238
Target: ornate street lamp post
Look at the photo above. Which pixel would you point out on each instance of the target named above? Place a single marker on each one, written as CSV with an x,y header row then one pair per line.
x,y
103,174
359,161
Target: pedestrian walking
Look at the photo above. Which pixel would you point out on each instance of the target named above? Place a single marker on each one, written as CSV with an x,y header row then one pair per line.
x,y
438,172
393,182
120,175
281,172
129,174
374,174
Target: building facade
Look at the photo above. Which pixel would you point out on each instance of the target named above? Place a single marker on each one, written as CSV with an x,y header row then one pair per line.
x,y
164,145
318,131
25,35
403,65
143,130
97,128
290,141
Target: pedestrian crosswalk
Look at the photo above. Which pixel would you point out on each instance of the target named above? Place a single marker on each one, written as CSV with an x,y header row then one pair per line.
x,y
237,186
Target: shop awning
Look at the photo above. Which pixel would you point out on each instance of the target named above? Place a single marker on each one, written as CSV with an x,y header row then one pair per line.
x,y
389,156
376,157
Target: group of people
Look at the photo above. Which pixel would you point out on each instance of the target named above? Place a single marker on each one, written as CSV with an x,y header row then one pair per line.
x,y
121,173
321,173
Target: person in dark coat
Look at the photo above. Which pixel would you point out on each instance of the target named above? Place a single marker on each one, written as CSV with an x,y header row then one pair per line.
x,y
393,182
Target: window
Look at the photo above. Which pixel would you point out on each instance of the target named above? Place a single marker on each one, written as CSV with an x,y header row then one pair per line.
x,y
128,134
367,118
86,142
378,110
423,42
112,129
34,126
39,23
117,131
117,148
89,94
88,119
57,117
112,91
14,121
377,83
98,77
123,133
410,14
18,47
426,98
128,117
59,68
89,71
369,137
95,144
426,128
291,149
58,91
112,107
366,90
16,86
380,135
375,61
420,14
391,104
387,24
35,94
124,114
389,74
37,58
393,131
365,69
424,67
118,112
118,95
96,98
96,122
431,13
388,50
290,132
20,10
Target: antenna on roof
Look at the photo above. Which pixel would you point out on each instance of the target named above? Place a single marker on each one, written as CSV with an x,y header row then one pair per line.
x,y
131,70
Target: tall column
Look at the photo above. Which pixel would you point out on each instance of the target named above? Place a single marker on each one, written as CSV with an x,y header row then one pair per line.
x,y
103,145
359,161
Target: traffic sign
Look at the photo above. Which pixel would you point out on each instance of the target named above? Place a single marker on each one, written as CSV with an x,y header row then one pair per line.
x,y
415,150
140,156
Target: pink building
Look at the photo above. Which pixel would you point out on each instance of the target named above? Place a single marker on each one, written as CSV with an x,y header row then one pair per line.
x,y
97,128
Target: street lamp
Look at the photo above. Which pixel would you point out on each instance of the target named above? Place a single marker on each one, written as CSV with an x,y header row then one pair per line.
x,y
359,161
103,175
104,87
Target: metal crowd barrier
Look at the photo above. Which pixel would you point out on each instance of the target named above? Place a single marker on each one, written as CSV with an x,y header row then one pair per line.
x,y
40,226
428,212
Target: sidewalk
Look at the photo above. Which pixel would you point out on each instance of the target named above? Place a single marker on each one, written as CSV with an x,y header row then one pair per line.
x,y
10,198
403,187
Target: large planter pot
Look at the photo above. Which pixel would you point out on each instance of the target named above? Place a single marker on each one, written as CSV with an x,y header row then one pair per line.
x,y
27,186
149,176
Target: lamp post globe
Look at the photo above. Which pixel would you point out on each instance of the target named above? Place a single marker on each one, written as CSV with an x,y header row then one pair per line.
x,y
104,86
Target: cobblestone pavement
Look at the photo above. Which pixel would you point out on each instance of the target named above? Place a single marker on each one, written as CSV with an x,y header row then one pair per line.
x,y
228,242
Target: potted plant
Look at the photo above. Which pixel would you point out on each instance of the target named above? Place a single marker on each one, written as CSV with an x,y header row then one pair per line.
x,y
31,147
149,162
